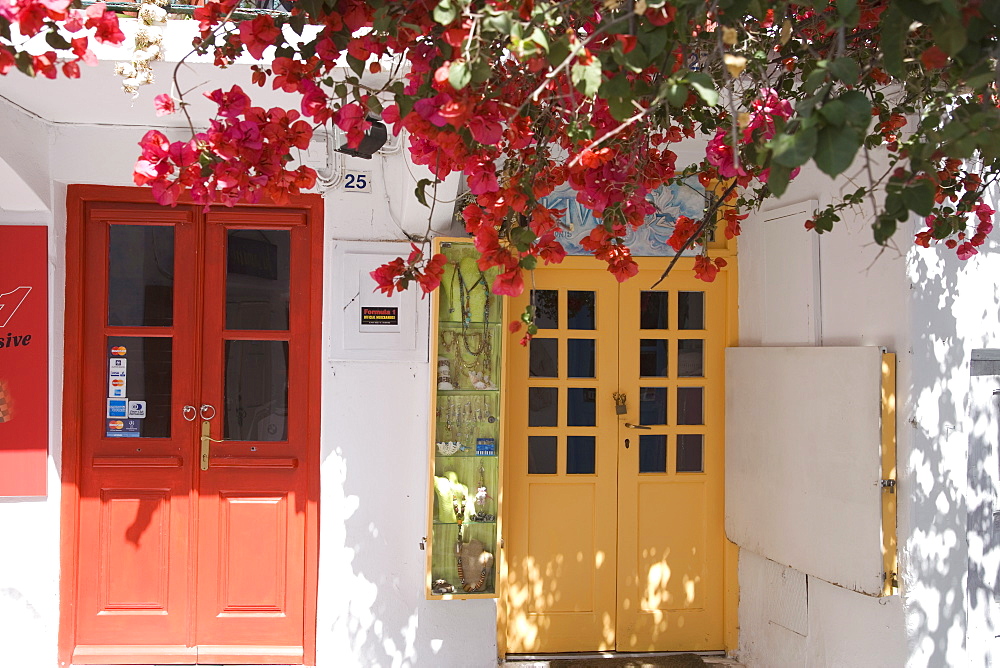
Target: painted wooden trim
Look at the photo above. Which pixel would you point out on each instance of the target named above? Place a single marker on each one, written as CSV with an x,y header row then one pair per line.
x,y
890,567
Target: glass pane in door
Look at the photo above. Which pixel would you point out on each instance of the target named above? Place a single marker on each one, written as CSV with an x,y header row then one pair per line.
x,y
257,274
255,406
141,276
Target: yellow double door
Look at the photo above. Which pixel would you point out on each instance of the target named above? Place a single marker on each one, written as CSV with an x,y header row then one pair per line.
x,y
614,493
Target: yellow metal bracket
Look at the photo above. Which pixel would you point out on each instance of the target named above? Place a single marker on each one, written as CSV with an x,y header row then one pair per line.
x,y
890,582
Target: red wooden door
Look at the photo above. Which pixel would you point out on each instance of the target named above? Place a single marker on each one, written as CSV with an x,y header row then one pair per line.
x,y
197,435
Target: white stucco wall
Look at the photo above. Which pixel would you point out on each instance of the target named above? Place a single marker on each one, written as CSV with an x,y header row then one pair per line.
x,y
931,310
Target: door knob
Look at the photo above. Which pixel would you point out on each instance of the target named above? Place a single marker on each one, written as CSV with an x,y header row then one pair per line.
x,y
190,413
207,411
636,426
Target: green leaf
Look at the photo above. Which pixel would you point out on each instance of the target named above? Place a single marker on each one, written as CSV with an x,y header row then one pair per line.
x,y
705,88
481,71
587,78
653,41
459,74
836,148
859,109
883,228
834,112
421,190
539,38
845,69
57,41
374,104
795,149
522,238
5,28
675,93
558,51
528,262
950,35
25,64
618,92
356,64
894,28
777,181
919,197
500,23
445,12
815,79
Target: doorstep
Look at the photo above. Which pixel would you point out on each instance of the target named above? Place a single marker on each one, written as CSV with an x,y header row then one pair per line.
x,y
621,660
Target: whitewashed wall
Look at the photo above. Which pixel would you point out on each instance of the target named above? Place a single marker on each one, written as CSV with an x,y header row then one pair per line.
x,y
931,310
371,608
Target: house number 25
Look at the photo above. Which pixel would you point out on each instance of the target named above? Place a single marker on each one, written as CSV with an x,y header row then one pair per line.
x,y
358,182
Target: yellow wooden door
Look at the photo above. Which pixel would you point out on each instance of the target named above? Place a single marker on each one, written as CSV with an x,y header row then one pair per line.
x,y
615,519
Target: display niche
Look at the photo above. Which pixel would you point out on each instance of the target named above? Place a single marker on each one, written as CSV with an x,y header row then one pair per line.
x,y
466,433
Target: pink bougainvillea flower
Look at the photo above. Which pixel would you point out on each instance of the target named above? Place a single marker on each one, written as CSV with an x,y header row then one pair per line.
x,y
164,104
231,104
965,251
105,23
510,283
259,34
430,277
387,275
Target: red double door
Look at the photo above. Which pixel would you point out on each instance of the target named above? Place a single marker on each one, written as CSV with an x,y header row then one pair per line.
x,y
191,459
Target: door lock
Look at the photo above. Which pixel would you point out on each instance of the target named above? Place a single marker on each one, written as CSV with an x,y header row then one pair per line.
x,y
621,406
206,443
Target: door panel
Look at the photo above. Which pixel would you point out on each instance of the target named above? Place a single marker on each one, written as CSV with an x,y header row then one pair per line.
x,y
626,553
562,465
135,491
671,540
206,318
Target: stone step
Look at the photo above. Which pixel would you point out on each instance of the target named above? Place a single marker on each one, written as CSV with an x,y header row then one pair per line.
x,y
622,660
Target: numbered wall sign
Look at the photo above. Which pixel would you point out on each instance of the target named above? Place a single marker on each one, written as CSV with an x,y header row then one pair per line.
x,y
24,359
357,182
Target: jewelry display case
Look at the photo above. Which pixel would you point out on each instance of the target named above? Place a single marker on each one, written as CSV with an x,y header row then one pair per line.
x,y
466,432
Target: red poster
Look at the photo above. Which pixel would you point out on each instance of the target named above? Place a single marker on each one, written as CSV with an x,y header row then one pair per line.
x,y
24,359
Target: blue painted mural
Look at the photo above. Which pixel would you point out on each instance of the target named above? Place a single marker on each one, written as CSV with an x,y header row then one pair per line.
x,y
651,239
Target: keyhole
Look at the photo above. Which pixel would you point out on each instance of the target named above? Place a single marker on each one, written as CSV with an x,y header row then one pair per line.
x,y
253,448
626,444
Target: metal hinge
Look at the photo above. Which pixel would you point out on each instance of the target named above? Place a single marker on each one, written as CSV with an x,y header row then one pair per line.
x,y
889,485
423,543
891,578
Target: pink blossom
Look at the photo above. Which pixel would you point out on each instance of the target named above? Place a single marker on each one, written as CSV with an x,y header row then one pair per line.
x,y
164,104
965,251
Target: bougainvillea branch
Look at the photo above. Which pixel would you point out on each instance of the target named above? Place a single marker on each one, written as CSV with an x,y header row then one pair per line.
x,y
524,96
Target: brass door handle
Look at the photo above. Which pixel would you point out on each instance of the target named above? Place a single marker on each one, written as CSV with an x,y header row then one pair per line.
x,y
206,443
636,426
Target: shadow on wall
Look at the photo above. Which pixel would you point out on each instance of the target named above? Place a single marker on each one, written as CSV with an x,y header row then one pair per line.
x,y
954,309
374,496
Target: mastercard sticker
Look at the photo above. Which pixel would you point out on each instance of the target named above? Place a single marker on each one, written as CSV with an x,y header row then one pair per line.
x,y
121,429
116,387
118,350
